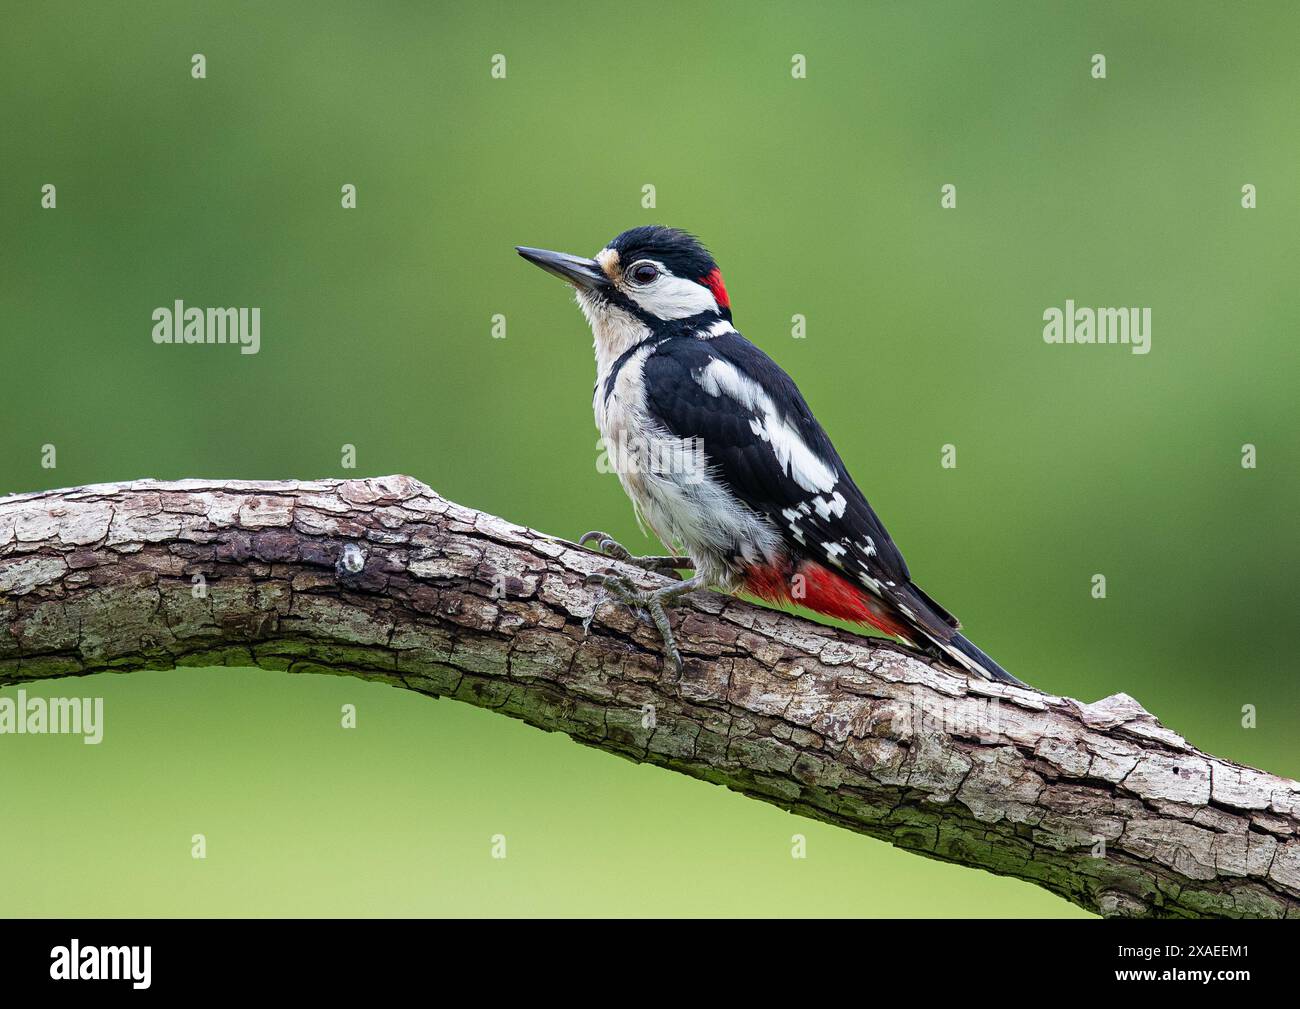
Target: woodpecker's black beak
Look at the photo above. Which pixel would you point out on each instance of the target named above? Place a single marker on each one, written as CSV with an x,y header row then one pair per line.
x,y
584,273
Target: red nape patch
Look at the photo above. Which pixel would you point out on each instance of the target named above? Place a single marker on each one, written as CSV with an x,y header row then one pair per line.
x,y
713,281
824,591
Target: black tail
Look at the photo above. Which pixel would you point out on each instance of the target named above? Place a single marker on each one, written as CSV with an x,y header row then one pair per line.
x,y
972,657
927,620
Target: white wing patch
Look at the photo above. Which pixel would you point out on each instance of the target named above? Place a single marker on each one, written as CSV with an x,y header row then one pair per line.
x,y
868,580
835,506
719,328
793,515
796,459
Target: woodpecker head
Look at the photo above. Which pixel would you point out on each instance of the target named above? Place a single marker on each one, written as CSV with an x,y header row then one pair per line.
x,y
647,281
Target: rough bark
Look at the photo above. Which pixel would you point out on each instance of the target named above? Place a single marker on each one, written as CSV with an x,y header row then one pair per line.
x,y
385,580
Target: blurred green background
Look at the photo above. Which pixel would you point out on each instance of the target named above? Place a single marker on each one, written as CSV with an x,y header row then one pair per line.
x,y
818,197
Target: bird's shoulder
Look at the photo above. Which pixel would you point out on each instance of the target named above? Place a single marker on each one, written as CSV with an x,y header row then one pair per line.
x,y
744,369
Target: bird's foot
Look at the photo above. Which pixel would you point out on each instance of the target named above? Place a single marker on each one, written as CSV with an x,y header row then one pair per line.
x,y
610,547
652,603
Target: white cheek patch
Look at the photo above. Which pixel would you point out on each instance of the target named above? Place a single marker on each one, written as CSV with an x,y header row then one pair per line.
x,y
792,453
672,297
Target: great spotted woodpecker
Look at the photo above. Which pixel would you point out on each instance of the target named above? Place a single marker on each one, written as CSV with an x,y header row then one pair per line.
x,y
722,457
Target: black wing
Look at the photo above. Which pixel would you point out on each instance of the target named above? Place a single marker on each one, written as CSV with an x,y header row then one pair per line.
x,y
809,496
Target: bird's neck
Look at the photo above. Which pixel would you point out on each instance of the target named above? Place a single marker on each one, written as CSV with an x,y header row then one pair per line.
x,y
614,332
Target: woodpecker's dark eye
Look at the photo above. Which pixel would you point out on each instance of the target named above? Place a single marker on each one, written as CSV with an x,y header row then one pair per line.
x,y
644,273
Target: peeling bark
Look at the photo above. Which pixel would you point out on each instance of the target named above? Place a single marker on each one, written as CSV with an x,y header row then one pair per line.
x,y
385,580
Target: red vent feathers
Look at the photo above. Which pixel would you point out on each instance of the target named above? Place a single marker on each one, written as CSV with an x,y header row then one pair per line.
x,y
825,591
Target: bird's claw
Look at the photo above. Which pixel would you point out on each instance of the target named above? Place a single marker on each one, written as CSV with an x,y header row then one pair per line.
x,y
610,547
607,545
645,604
620,589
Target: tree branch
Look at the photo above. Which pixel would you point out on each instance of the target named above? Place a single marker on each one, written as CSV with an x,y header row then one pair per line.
x,y
385,580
